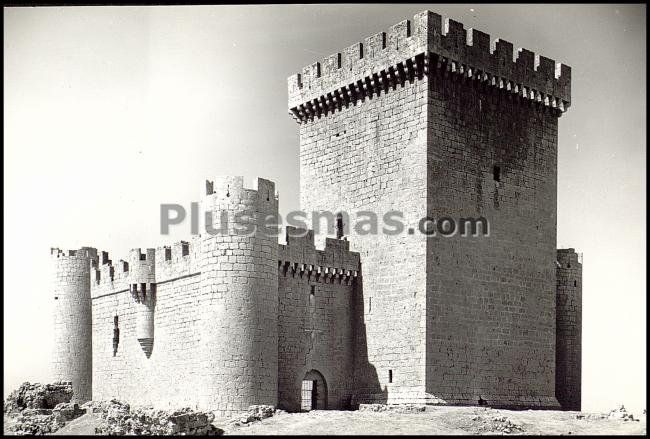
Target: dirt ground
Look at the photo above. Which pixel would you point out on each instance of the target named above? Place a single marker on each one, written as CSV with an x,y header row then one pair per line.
x,y
435,420
439,420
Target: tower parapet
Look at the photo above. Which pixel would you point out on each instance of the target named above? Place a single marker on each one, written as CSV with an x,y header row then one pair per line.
x,y
72,356
334,264
424,46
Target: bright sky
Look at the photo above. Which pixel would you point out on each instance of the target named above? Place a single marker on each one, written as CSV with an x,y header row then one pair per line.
x,y
111,111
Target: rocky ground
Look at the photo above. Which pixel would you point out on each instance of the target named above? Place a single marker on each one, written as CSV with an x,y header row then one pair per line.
x,y
46,409
36,409
443,420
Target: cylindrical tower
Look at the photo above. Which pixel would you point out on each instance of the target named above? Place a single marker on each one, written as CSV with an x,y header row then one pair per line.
x,y
239,280
72,356
142,280
568,330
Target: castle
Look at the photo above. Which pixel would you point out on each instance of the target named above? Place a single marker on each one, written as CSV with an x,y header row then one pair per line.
x,y
424,119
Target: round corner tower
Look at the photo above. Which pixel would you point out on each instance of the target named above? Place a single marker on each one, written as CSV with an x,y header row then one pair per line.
x,y
239,281
568,339
72,356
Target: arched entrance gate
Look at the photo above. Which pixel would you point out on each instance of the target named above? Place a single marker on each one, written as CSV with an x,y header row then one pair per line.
x,y
313,392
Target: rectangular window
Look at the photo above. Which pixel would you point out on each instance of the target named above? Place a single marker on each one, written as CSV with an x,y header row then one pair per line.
x,y
312,297
496,173
390,376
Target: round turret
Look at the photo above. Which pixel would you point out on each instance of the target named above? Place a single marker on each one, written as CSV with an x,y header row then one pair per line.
x,y
239,276
142,280
72,356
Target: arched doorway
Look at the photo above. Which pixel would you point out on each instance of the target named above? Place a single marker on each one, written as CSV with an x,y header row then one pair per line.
x,y
313,393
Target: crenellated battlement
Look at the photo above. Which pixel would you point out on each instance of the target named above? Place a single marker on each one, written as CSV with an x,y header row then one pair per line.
x,y
82,253
179,259
231,188
568,258
422,46
299,257
142,267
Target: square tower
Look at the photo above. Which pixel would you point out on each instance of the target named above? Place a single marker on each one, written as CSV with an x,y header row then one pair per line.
x,y
432,123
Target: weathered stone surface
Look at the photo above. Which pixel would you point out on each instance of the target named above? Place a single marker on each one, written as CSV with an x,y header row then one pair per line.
x,y
255,413
38,396
401,408
119,418
497,424
41,408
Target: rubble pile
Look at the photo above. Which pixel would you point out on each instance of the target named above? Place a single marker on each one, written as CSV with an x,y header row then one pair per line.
x,y
497,424
38,396
621,413
118,419
38,409
401,408
255,413
591,416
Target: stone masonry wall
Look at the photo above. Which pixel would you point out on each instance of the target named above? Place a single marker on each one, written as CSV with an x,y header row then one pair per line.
x,y
423,119
239,281
491,299
211,321
169,377
72,355
315,320
568,373
372,156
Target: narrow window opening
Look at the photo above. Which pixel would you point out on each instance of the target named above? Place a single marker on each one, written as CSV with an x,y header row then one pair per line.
x,y
369,304
338,61
339,226
496,173
568,265
56,297
575,283
390,376
143,256
168,254
312,297
185,248
116,334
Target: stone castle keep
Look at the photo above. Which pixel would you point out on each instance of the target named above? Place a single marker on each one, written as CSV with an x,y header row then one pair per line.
x,y
425,119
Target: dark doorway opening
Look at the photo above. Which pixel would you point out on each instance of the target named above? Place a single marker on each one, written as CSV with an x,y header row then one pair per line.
x,y
313,392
